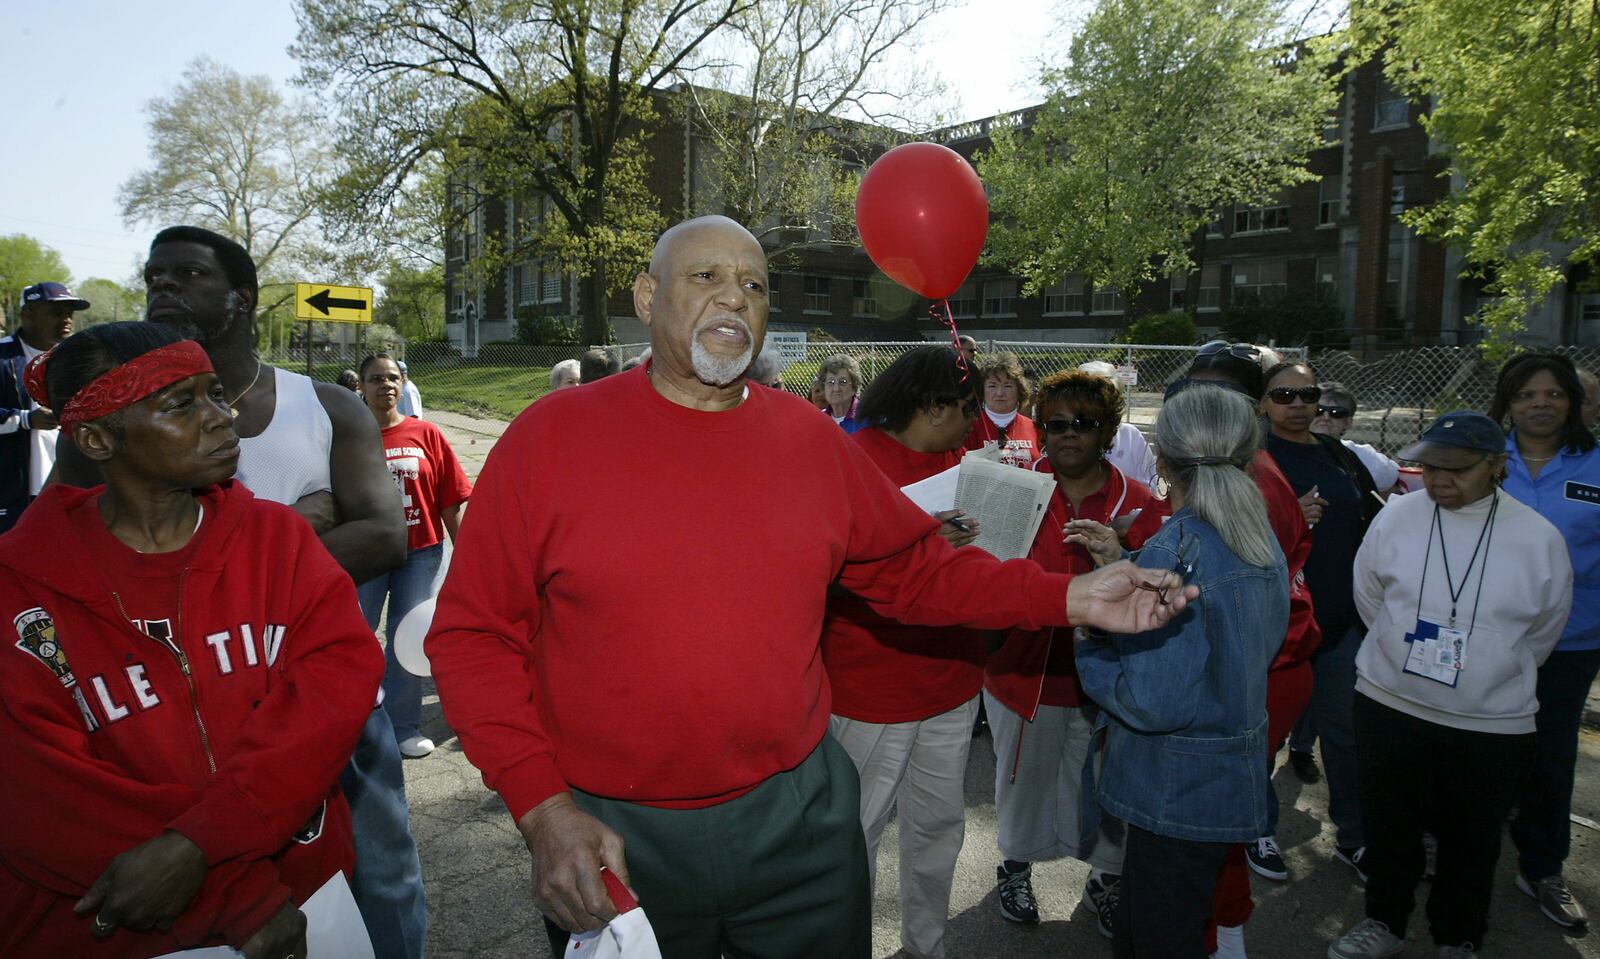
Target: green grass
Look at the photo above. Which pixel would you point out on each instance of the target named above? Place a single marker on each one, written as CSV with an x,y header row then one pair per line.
x,y
498,392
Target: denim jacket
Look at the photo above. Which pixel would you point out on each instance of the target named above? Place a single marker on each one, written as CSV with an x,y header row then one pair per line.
x,y
1185,706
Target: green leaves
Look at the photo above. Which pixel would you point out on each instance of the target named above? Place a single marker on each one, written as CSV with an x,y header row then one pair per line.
x,y
1514,87
1163,111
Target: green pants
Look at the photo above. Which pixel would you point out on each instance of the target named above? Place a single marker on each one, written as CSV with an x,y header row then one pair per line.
x,y
779,872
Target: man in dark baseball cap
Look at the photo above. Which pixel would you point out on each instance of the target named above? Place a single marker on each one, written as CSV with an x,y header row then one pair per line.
x,y
27,428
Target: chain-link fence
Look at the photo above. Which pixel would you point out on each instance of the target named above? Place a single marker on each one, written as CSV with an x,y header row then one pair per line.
x,y
1398,394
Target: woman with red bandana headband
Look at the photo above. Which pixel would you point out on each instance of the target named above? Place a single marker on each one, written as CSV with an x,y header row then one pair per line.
x,y
185,683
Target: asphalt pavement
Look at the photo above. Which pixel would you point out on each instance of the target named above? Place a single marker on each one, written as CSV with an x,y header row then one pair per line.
x,y
477,871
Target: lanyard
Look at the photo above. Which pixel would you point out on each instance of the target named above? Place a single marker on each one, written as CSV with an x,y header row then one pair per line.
x,y
1485,537
1111,513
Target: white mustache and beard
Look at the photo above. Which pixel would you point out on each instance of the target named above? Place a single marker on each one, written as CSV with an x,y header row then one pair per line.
x,y
716,369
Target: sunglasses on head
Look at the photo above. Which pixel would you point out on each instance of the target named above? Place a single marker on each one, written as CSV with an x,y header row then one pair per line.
x,y
1079,424
1243,351
1335,412
1284,395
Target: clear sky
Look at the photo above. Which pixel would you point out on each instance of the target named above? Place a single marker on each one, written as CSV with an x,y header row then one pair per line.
x,y
81,71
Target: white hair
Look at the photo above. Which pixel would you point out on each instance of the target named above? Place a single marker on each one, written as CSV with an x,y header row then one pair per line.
x,y
767,364
1206,437
560,369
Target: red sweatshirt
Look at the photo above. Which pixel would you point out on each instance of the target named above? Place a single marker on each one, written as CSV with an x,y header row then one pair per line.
x,y
650,632
225,715
883,671
1294,538
1022,446
1032,669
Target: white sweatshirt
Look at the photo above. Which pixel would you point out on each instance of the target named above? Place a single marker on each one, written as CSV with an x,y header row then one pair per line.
x,y
1526,592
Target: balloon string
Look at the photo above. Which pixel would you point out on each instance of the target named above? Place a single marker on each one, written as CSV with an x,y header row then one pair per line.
x,y
949,320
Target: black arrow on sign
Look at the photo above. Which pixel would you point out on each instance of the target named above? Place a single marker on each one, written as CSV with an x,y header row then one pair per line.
x,y
324,302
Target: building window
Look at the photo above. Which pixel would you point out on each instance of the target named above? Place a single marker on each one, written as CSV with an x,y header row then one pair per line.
x,y
1390,108
549,281
1392,279
1328,275
819,298
458,302
1328,202
1000,297
1260,280
1209,296
964,302
525,282
1065,297
772,293
1260,219
1106,301
1214,225
863,298
1397,199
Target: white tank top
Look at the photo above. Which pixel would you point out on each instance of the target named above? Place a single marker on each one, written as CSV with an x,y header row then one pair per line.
x,y
290,457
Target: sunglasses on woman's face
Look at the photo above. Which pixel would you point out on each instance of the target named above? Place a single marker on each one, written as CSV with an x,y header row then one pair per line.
x,y
1335,412
1243,351
1285,395
1080,424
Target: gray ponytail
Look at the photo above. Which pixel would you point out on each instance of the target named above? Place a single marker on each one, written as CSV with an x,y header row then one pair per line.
x,y
1205,437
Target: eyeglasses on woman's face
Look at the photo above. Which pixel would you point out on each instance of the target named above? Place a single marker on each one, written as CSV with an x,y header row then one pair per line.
x,y
1078,424
1335,412
1284,395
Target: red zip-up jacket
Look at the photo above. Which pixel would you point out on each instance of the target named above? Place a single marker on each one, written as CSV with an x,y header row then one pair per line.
x,y
1288,523
233,733
1033,669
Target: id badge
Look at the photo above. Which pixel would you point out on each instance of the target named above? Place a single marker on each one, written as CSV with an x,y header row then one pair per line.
x,y
1437,652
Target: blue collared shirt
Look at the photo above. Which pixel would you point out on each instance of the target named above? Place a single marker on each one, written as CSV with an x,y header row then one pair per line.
x,y
1567,493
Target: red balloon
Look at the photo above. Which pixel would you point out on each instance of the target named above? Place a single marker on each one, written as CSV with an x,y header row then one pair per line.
x,y
923,217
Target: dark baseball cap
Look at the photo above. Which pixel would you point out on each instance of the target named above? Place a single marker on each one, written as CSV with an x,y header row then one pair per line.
x,y
52,293
1457,440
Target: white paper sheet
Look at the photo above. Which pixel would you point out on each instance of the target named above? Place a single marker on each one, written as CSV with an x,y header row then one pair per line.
x,y
935,494
334,929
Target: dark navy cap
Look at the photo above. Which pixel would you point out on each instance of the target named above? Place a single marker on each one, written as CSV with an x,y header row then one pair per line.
x,y
1456,440
52,293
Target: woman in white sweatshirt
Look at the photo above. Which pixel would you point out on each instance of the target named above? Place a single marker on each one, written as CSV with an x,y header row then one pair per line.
x,y
1465,592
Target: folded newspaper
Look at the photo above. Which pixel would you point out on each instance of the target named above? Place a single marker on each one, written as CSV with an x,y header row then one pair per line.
x,y
1007,503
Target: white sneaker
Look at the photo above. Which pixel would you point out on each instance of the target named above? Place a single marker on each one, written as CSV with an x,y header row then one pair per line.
x,y
1370,939
415,747
1230,942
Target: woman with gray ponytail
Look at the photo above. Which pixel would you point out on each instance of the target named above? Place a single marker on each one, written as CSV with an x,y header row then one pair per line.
x,y
1185,706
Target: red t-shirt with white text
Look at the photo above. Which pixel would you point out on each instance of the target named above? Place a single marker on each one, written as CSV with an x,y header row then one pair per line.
x,y
428,475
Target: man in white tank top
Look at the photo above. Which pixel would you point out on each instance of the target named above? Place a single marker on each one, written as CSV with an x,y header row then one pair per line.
x,y
316,448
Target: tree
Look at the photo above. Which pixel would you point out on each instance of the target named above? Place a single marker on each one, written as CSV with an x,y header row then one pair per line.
x,y
1515,92
23,262
109,302
1166,110
412,301
513,98
793,98
230,154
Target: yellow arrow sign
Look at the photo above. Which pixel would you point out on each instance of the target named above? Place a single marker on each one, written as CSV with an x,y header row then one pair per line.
x,y
332,304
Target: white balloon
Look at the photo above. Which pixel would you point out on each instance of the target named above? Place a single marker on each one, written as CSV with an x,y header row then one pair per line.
x,y
408,637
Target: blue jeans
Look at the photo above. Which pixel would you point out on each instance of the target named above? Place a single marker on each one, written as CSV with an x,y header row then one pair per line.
x,y
388,877
1542,830
405,588
1329,717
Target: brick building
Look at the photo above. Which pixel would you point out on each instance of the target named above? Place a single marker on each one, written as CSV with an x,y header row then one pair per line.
x,y
1338,234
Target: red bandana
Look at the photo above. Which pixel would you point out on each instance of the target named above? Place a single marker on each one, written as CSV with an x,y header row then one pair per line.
x,y
122,386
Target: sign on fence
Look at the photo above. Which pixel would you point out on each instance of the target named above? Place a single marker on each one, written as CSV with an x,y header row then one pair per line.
x,y
791,346
1129,374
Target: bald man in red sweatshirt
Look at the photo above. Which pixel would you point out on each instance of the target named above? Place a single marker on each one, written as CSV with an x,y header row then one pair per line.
x,y
631,655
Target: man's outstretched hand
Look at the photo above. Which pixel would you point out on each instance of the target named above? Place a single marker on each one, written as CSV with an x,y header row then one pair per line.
x,y
569,846
1124,598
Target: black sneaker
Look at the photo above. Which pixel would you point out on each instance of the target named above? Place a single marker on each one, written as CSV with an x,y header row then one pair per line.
x,y
1102,896
1265,859
1305,766
1351,856
1016,895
